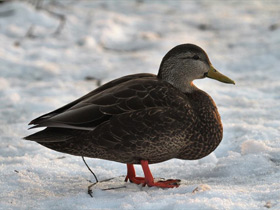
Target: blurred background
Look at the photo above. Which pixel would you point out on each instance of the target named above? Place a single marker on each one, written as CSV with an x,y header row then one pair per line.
x,y
52,52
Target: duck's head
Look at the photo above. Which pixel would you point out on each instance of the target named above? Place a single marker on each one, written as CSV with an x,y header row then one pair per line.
x,y
185,63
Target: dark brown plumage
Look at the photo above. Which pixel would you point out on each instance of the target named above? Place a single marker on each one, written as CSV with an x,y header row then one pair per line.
x,y
141,117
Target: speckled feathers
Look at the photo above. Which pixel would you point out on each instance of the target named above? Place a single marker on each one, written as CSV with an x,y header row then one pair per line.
x,y
134,118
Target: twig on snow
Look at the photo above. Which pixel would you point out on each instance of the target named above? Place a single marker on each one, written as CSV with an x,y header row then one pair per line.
x,y
30,32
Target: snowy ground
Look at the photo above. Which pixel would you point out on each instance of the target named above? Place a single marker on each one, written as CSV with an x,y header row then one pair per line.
x,y
109,39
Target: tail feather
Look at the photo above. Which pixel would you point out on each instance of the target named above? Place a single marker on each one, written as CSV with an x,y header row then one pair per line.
x,y
53,135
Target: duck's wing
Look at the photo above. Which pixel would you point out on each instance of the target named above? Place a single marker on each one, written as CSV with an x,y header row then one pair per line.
x,y
135,94
106,86
165,128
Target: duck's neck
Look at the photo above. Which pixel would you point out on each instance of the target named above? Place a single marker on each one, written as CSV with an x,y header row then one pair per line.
x,y
187,87
176,76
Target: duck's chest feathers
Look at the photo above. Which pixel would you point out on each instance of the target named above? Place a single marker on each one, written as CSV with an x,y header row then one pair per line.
x,y
207,131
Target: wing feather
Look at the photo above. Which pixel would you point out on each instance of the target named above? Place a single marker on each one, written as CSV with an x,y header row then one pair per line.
x,y
100,106
100,89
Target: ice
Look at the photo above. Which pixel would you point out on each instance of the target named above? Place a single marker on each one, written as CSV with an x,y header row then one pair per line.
x,y
103,40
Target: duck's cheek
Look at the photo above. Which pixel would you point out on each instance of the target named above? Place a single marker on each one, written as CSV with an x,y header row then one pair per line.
x,y
201,69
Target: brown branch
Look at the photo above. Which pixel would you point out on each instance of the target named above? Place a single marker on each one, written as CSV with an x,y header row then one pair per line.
x,y
30,32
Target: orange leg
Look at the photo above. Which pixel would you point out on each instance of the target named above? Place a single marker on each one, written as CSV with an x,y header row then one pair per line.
x,y
148,179
131,175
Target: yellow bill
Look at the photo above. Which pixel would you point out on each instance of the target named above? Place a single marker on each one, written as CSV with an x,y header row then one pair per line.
x,y
214,74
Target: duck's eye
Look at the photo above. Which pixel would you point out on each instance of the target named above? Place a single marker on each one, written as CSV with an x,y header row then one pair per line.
x,y
195,57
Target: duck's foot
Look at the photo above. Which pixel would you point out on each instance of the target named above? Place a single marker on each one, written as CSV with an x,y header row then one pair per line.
x,y
136,180
148,179
170,183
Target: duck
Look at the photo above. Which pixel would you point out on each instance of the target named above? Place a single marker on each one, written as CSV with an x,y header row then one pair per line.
x,y
141,118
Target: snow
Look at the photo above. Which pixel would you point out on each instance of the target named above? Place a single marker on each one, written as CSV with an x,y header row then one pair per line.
x,y
103,40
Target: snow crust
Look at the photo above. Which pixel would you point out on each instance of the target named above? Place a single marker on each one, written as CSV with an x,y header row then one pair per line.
x,y
103,40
